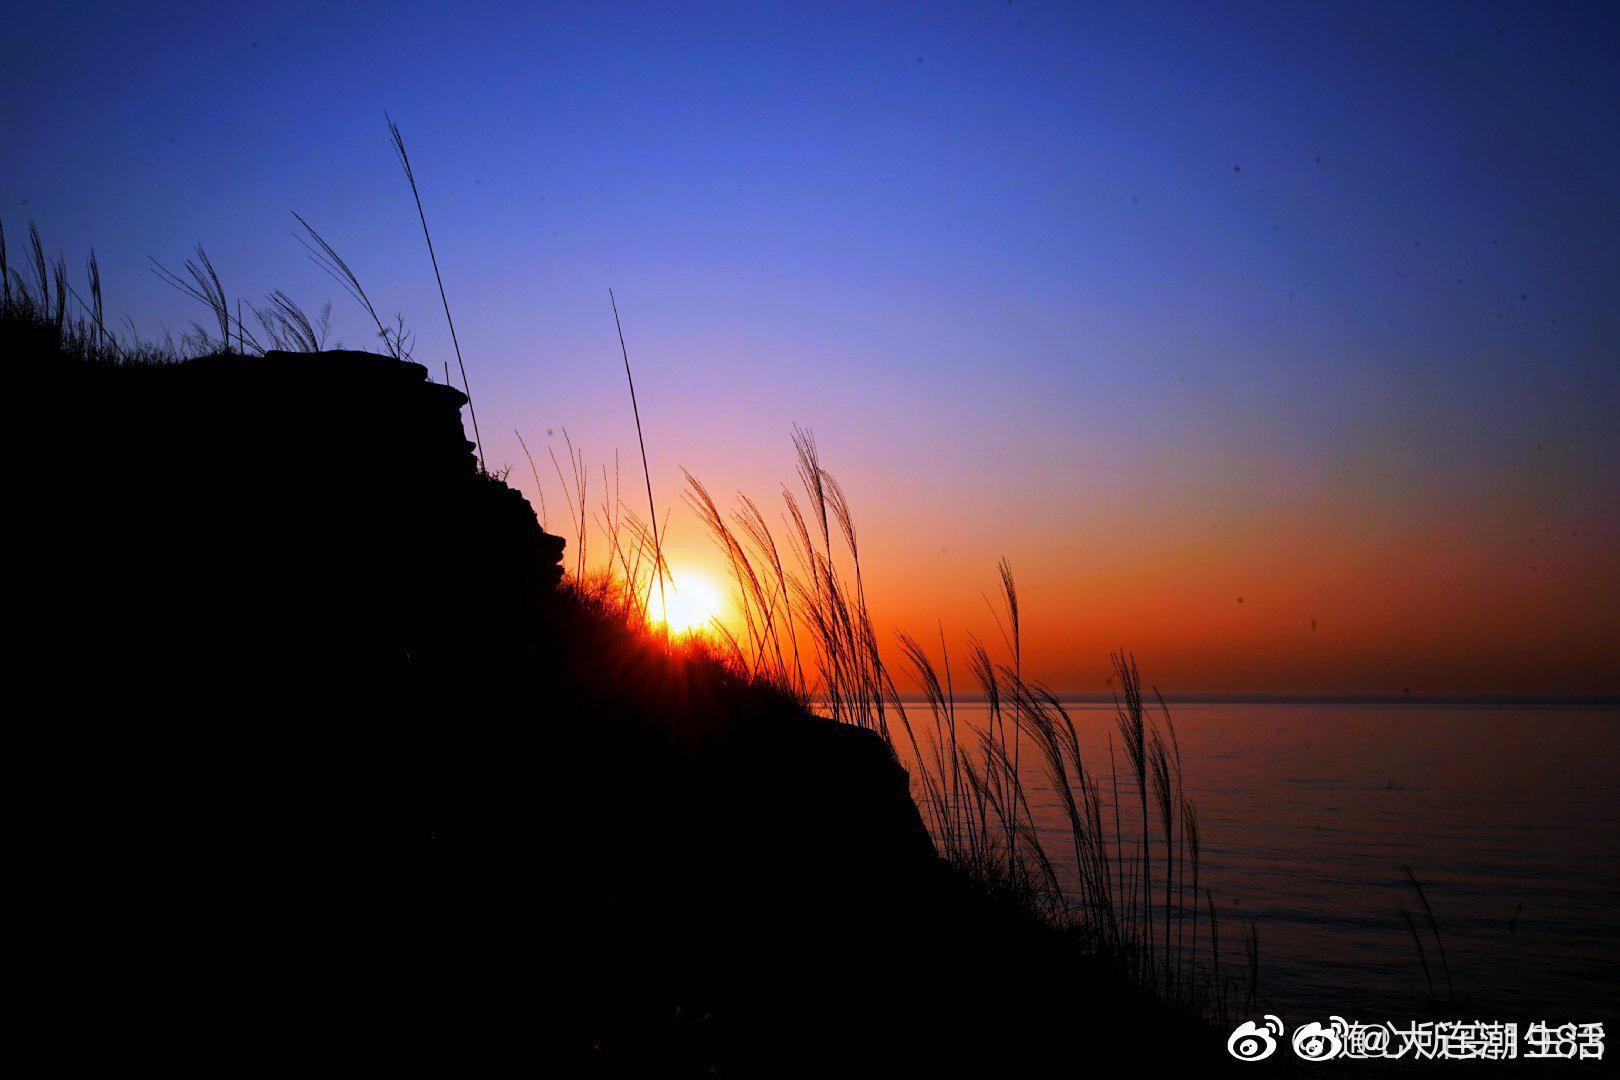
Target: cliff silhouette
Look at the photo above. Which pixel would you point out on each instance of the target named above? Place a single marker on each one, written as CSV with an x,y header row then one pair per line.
x,y
326,766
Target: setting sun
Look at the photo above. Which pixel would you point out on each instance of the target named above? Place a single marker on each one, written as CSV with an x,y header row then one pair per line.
x,y
693,601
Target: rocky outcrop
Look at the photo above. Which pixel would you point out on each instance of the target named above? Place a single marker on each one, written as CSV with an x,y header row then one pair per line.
x,y
324,508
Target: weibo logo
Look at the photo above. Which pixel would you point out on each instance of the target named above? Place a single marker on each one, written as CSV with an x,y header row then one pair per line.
x,y
1314,1042
1253,1042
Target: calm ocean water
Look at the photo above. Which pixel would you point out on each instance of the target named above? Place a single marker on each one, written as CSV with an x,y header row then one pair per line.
x,y
1508,815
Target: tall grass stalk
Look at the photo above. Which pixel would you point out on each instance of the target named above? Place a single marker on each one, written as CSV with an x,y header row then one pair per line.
x,y
1415,888
324,255
646,474
539,489
575,497
398,141
1133,732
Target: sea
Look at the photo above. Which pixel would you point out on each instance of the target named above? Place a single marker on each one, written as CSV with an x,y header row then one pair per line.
x,y
1507,814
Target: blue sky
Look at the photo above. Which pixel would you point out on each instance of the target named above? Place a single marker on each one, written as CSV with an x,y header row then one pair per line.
x,y
1047,280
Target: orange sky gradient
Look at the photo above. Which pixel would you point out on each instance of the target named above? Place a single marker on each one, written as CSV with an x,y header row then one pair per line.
x,y
1319,593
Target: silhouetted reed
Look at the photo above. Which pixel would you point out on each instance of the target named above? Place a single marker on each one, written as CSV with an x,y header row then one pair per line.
x,y
969,779
396,339
288,327
575,490
534,473
202,284
37,302
398,141
285,324
646,473
1415,891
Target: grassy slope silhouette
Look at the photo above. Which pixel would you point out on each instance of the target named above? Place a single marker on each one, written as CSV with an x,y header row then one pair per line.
x,y
447,808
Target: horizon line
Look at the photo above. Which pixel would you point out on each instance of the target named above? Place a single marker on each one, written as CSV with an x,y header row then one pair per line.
x,y
1251,697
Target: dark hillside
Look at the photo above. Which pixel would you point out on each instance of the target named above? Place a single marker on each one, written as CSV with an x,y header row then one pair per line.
x,y
325,766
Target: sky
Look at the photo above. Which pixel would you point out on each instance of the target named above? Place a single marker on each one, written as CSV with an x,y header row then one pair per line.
x,y
1276,343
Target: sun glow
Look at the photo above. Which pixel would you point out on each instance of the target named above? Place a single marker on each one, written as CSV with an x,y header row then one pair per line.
x,y
693,602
